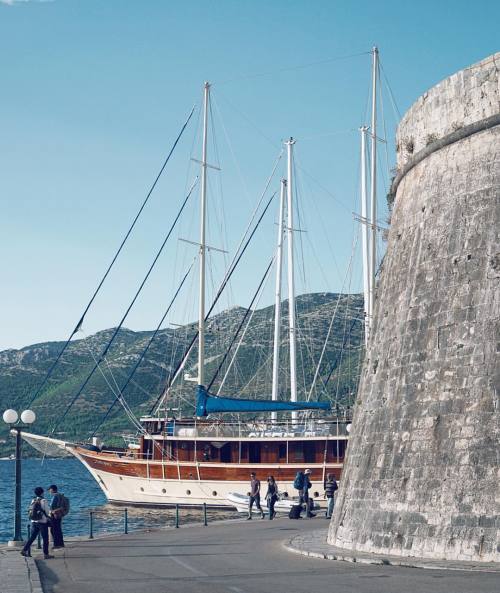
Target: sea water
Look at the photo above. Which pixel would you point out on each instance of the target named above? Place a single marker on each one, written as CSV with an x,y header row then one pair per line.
x,y
77,484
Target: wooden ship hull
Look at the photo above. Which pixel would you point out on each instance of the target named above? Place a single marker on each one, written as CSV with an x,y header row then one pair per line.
x,y
167,470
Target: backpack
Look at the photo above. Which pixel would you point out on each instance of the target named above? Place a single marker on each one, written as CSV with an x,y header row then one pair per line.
x,y
35,511
298,483
295,511
64,503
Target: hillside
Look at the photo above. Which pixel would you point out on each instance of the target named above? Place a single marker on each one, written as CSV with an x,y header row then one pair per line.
x,y
22,371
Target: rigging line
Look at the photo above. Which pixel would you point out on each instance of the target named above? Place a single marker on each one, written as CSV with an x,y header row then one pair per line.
x,y
144,352
344,341
328,192
391,94
330,327
239,374
235,262
235,336
222,222
386,148
292,68
249,121
80,323
231,149
328,134
347,275
117,329
133,419
334,365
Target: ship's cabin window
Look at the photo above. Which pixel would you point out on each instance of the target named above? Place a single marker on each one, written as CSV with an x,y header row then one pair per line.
x,y
282,451
254,452
225,453
309,449
297,452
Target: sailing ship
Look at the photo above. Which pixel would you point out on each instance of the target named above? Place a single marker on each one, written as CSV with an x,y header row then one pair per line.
x,y
206,459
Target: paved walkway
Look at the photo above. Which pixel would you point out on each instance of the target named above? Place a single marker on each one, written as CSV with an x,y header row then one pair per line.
x,y
18,574
234,557
313,544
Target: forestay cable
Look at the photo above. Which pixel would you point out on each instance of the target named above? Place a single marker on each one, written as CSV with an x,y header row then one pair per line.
x,y
80,322
115,333
236,333
119,395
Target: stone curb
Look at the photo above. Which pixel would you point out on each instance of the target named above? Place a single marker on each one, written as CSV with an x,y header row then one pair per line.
x,y
19,574
313,544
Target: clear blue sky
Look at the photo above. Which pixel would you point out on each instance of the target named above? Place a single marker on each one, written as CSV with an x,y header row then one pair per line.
x,y
94,91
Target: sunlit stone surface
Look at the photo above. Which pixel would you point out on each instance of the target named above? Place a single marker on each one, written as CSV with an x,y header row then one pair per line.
x,y
423,470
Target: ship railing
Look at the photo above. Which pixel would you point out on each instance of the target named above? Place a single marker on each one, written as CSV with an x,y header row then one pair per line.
x,y
284,430
108,520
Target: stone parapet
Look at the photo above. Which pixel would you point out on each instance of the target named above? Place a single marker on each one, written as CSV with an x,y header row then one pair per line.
x,y
471,95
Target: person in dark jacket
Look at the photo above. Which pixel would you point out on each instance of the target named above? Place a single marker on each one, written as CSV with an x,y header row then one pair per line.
x,y
57,512
330,488
38,524
304,494
271,496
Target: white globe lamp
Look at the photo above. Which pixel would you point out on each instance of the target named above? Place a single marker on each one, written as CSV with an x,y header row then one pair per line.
x,y
28,417
347,427
10,416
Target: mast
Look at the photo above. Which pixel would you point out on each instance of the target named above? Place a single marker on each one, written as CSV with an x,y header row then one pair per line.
x,y
364,235
373,192
277,302
203,207
291,282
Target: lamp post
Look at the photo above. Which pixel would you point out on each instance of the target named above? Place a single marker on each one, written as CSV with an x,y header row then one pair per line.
x,y
11,418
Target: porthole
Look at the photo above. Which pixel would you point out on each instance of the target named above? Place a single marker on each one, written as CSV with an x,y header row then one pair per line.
x,y
316,494
214,493
142,489
188,492
163,490
285,494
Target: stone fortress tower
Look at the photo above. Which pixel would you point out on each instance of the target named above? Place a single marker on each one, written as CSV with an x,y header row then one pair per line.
x,y
422,476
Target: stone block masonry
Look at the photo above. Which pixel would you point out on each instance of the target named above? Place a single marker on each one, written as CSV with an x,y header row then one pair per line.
x,y
422,476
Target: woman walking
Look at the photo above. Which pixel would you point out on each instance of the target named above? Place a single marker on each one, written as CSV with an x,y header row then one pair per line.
x,y
271,496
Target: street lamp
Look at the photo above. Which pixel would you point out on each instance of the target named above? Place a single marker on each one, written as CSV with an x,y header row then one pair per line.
x,y
11,418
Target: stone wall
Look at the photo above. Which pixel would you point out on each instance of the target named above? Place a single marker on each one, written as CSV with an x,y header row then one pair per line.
x,y
468,96
422,476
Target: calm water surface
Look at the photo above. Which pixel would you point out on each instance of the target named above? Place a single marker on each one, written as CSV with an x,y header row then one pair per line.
x,y
78,485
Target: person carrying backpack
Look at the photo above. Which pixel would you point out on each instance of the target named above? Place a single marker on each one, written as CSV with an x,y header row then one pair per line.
x,y
330,487
38,514
302,483
305,493
59,508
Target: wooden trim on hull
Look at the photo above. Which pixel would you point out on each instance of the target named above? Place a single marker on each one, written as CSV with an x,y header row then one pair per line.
x,y
172,470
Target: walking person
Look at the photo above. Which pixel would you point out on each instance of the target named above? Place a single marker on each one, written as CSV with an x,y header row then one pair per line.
x,y
254,496
59,508
38,514
271,496
330,487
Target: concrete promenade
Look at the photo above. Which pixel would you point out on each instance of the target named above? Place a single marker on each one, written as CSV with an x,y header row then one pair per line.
x,y
234,557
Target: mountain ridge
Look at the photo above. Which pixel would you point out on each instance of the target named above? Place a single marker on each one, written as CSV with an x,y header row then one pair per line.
x,y
22,370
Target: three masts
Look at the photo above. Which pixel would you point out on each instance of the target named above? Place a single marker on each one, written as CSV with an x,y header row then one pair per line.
x,y
203,460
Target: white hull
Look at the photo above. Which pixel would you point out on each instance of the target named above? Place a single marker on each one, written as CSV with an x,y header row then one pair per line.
x,y
120,489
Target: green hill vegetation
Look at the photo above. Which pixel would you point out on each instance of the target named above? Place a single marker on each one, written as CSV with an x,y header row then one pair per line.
x,y
22,371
